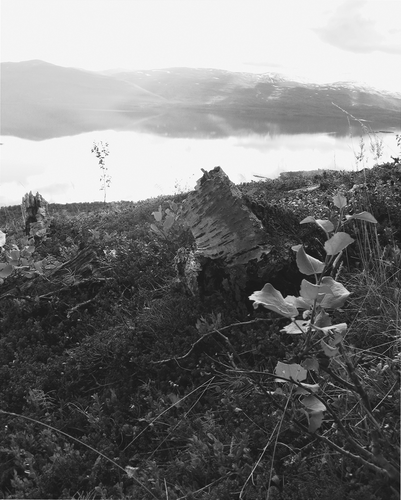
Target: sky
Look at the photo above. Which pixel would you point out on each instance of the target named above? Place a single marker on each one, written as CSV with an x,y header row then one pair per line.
x,y
316,40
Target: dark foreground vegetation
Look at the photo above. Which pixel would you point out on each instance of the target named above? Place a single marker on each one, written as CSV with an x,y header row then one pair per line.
x,y
117,381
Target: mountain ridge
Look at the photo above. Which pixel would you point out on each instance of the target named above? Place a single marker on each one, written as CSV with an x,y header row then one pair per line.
x,y
42,100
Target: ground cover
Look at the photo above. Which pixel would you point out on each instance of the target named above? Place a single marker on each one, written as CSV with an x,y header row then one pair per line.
x,y
116,381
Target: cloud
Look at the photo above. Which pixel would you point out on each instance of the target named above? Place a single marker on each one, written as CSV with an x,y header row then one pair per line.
x,y
363,27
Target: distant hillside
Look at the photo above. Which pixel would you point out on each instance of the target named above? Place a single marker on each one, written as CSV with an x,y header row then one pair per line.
x,y
42,100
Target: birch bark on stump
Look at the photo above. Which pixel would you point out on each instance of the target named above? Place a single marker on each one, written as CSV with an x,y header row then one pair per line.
x,y
221,223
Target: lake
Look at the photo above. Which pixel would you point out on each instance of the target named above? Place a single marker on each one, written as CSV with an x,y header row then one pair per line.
x,y
144,165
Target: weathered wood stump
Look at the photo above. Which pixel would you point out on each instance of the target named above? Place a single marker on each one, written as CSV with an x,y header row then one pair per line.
x,y
221,223
35,214
234,249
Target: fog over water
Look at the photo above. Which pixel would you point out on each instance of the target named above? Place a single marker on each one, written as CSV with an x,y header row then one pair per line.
x,y
144,165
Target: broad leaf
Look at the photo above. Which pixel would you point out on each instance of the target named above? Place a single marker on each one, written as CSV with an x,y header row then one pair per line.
x,y
2,239
272,299
169,221
338,331
366,216
312,403
306,264
340,201
311,364
329,351
156,230
315,420
339,294
293,372
308,219
338,337
5,270
297,302
310,292
325,224
158,215
307,388
337,243
296,327
322,319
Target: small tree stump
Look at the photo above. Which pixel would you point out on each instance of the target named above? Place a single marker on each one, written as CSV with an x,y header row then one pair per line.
x,y
35,214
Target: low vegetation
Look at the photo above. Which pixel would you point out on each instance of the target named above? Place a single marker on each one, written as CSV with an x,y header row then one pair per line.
x,y
118,381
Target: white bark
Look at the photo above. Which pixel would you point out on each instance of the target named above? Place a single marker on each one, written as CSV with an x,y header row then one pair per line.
x,y
221,223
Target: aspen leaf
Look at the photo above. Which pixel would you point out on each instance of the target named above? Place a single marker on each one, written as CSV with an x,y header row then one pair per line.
x,y
340,328
156,230
366,216
310,292
339,294
293,372
337,243
169,221
296,327
308,219
306,264
297,302
338,337
322,319
307,388
312,403
272,299
340,201
311,364
315,421
325,224
329,351
158,215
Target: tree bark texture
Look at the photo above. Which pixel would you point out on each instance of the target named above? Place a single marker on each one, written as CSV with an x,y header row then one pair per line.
x,y
221,223
35,213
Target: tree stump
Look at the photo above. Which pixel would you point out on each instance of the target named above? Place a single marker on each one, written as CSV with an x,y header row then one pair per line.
x,y
35,214
222,225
